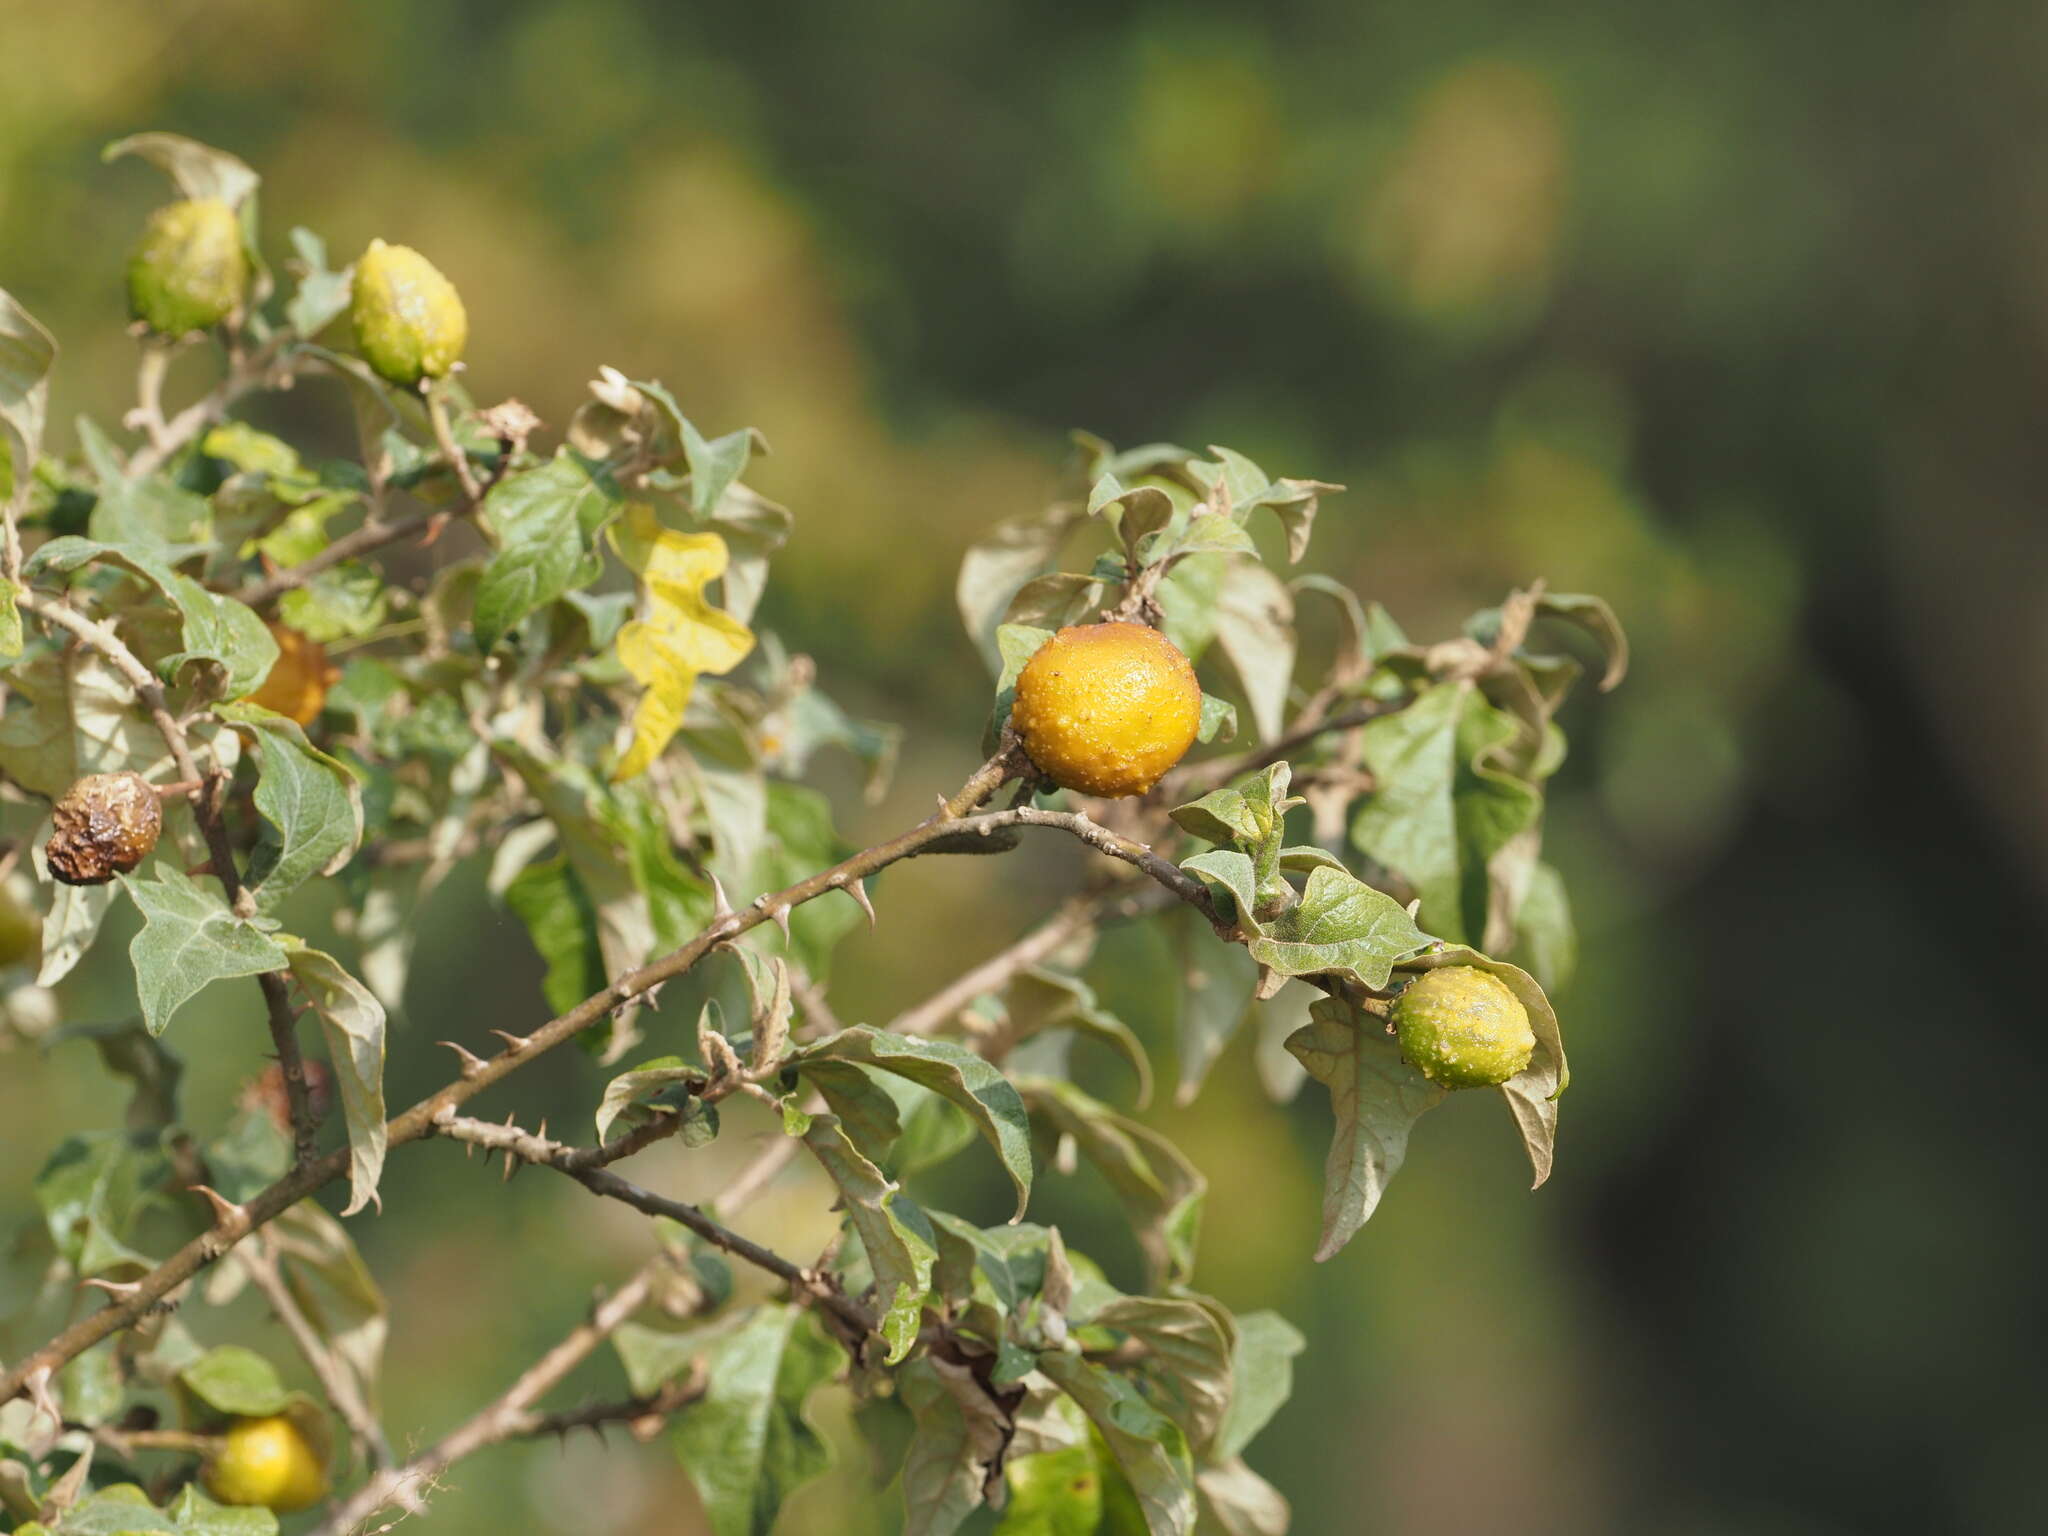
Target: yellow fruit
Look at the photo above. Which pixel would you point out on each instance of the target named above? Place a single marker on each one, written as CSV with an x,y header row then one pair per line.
x,y
189,272
1106,709
266,1461
409,320
298,683
21,931
1462,1027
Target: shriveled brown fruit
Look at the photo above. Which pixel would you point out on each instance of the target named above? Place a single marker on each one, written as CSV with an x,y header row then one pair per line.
x,y
105,825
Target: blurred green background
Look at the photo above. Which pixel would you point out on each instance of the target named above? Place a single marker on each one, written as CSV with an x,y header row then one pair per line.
x,y
1734,313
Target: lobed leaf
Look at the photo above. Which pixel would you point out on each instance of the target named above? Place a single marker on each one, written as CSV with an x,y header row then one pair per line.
x,y
189,938
749,1443
313,802
1375,1097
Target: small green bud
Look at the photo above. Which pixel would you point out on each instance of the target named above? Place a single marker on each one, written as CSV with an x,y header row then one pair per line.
x,y
409,320
189,272
1462,1027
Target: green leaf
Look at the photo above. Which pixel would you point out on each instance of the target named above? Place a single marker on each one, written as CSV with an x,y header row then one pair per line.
x,y
125,1510
1042,998
1159,1188
1375,1097
1441,808
340,603
10,622
188,939
1187,1358
1002,561
958,1075
1593,615
550,899
337,1292
748,1444
1341,926
1216,986
898,1252
1254,619
1213,533
236,1381
73,921
1146,1445
653,1357
1219,720
352,1022
91,1191
322,294
197,170
716,463
215,628
1249,813
313,803
1532,1093
1016,644
956,1450
1262,1379
250,1155
26,354
1544,933
661,1086
546,522
1233,871
1236,1501
90,1386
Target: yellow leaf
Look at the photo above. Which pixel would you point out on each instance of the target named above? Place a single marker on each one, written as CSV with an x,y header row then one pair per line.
x,y
679,634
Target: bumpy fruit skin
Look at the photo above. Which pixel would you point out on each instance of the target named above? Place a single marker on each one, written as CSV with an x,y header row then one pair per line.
x,y
266,1461
409,320
1106,709
105,825
298,682
189,272
1462,1027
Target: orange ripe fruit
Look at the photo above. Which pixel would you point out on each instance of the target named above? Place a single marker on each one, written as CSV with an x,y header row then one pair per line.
x,y
297,685
1106,709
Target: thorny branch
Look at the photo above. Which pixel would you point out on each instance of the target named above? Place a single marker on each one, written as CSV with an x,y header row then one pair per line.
x,y
507,1417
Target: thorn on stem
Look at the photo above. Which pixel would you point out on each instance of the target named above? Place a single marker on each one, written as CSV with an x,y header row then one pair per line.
x,y
471,1062
226,1214
513,1043
720,907
858,890
781,916
120,1290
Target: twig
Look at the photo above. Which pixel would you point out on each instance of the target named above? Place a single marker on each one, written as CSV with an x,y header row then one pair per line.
x,y
680,1393
270,363
506,1417
371,536
260,1263
1199,778
206,811
1074,918
515,1142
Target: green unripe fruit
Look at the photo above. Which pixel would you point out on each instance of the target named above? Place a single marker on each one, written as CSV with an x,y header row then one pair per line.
x,y
1462,1027
189,272
409,320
